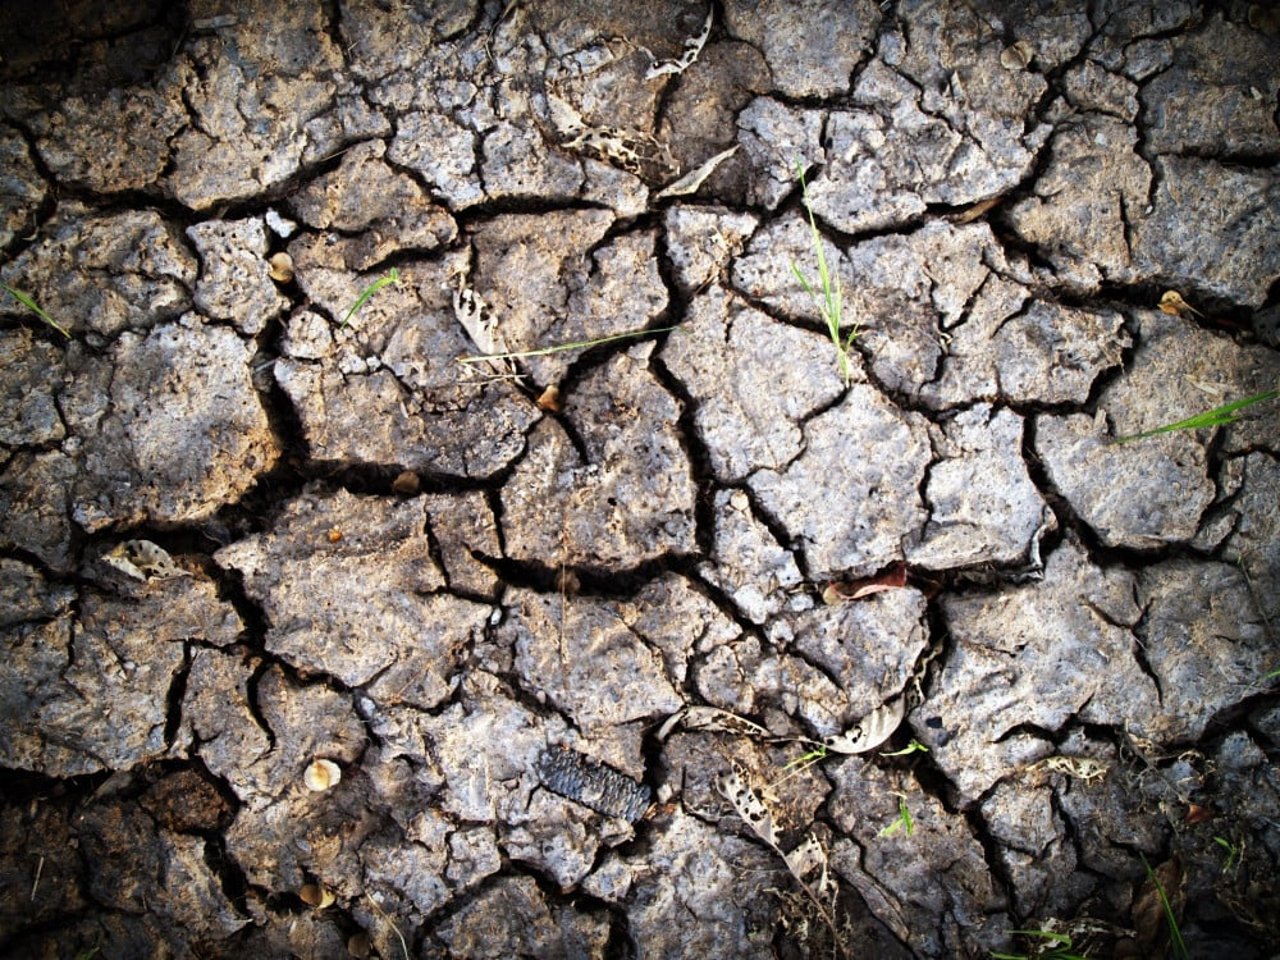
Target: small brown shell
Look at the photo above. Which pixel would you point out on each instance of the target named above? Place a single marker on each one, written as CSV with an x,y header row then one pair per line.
x,y
322,775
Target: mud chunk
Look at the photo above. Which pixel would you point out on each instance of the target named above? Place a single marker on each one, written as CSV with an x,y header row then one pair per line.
x,y
104,272
807,63
1069,638
170,455
1090,195
1156,492
851,499
1206,641
630,501
702,241
235,280
21,187
983,507
375,209
380,623
748,563
384,388
92,689
866,801
543,290
749,407
512,918
1211,228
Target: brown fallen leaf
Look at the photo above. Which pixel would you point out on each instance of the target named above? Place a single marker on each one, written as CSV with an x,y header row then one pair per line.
x,y
1197,813
835,592
1150,924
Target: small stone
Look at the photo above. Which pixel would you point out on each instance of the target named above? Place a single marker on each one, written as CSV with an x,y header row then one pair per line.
x,y
322,775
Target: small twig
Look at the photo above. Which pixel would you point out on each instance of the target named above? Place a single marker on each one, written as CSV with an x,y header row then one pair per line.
x,y
36,882
560,347
404,947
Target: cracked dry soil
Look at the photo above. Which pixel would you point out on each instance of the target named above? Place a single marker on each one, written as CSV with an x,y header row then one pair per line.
x,y
417,611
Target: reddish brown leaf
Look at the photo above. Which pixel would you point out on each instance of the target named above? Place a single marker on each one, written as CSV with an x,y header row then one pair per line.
x,y
1198,814
894,578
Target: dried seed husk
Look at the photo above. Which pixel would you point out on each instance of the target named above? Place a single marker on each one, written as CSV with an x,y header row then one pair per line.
x,y
281,267
322,775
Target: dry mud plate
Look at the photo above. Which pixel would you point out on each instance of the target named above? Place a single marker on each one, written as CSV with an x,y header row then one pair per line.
x,y
689,642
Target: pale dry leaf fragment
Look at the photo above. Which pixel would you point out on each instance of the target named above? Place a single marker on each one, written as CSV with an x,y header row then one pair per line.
x,y
809,860
690,182
692,47
143,560
869,732
1082,768
747,802
322,775
712,720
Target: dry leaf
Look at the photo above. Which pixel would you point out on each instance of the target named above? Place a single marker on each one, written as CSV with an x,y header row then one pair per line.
x,y
747,802
871,731
143,560
894,578
1198,814
713,720
690,182
1149,923
280,267
406,483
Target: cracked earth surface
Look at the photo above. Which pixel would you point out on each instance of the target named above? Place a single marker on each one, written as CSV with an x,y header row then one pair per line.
x,y
401,686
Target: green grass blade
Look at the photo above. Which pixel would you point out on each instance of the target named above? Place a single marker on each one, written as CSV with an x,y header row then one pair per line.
x,y
1175,935
30,304
559,347
393,276
1217,417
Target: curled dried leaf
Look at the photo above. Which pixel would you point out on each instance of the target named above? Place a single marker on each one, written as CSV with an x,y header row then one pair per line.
x,y
869,732
549,399
406,483
892,579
